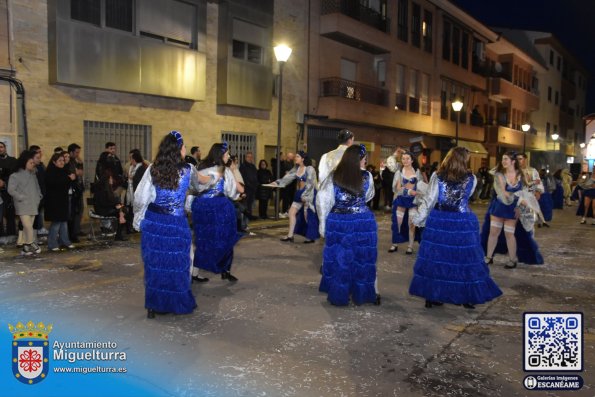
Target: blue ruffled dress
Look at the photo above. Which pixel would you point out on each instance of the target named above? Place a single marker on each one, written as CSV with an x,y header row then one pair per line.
x,y
165,249
350,249
215,229
527,248
546,203
558,196
401,235
450,267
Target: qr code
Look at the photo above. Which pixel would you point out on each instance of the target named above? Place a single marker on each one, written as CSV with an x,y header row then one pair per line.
x,y
553,341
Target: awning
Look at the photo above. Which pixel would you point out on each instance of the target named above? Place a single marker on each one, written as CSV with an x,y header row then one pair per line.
x,y
473,147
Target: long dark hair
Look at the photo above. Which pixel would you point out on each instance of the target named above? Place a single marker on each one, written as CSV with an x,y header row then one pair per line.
x,y
168,162
348,174
512,156
454,165
215,157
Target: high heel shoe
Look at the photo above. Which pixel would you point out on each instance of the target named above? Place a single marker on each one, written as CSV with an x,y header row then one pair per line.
x,y
287,238
468,306
488,260
393,248
199,279
308,241
409,251
429,304
229,277
378,300
511,264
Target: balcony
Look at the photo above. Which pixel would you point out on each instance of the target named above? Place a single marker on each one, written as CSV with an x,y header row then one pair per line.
x,y
336,87
505,136
502,89
352,24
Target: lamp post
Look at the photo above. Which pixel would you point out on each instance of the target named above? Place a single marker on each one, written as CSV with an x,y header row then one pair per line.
x,y
457,105
555,137
525,128
282,53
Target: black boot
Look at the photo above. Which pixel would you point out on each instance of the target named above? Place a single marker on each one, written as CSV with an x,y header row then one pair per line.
x,y
119,235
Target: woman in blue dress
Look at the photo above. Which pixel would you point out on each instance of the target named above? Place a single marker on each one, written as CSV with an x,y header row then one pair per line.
x,y
165,240
405,189
214,215
302,214
546,204
450,266
512,202
558,193
351,233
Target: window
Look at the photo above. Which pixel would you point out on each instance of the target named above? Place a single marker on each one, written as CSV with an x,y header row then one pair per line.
x,y
240,143
172,21
86,11
401,96
556,100
425,94
549,94
559,64
443,100
248,42
413,92
118,14
456,45
446,41
403,15
551,57
125,136
465,51
427,31
547,128
416,25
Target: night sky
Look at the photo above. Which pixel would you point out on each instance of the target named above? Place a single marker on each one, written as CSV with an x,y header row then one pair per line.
x,y
571,21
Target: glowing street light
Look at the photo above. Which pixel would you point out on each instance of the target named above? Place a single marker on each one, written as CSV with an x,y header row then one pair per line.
x,y
457,105
525,127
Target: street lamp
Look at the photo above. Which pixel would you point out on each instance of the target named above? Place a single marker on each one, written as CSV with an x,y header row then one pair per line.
x,y
582,145
555,137
457,105
525,128
282,53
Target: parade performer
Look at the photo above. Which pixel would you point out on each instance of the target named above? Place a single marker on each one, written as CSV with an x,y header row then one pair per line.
x,y
350,249
450,266
512,202
304,222
546,203
405,189
534,185
214,215
165,240
586,207
558,194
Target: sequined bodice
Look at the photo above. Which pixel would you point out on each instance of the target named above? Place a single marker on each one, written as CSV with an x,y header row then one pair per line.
x,y
515,188
349,203
172,201
454,197
217,190
412,180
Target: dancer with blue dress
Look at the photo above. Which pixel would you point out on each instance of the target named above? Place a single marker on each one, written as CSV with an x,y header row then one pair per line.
x,y
214,215
405,189
302,214
351,233
546,203
166,239
450,266
513,202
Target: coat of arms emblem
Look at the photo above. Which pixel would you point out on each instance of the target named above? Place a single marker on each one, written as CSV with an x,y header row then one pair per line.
x,y
30,351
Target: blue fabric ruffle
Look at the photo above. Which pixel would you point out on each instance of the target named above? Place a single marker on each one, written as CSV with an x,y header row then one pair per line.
x,y
309,228
558,196
546,204
165,249
349,258
402,235
527,249
215,233
450,267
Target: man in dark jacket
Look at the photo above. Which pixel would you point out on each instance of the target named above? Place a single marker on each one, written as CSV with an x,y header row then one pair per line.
x,y
40,172
250,175
8,165
75,166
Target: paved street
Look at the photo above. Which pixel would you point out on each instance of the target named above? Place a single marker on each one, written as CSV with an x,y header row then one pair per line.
x,y
274,334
